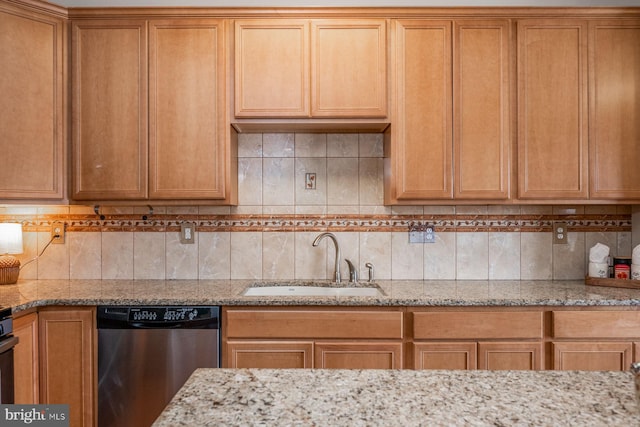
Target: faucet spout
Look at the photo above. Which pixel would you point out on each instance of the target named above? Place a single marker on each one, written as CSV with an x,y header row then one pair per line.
x,y
337,247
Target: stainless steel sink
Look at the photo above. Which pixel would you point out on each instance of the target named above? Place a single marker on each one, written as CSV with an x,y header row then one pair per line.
x,y
287,289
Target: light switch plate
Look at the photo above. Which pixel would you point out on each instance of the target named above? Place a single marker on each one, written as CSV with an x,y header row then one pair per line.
x,y
187,233
559,232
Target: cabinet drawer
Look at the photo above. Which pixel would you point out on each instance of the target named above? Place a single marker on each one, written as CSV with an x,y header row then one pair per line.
x,y
477,325
596,324
314,324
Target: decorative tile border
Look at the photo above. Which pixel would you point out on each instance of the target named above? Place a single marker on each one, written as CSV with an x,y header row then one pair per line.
x,y
335,223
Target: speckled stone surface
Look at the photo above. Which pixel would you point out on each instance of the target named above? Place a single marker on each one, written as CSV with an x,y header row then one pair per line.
x,y
32,293
213,397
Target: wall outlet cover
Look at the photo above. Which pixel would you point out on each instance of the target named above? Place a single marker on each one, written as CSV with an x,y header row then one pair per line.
x,y
187,233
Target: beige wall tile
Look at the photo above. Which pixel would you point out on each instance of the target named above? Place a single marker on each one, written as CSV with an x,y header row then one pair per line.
x,y
30,248
250,145
214,255
568,259
472,256
536,256
149,256
85,255
278,178
440,257
250,181
342,182
311,145
278,254
54,262
407,210
305,196
310,262
536,210
504,256
342,145
246,255
439,210
624,244
371,145
406,258
117,255
370,181
278,145
182,259
214,210
376,249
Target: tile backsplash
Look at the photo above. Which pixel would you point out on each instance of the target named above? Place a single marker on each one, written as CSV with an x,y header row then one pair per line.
x,y
269,234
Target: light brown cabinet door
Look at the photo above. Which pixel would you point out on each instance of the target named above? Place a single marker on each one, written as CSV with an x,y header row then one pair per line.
x,y
358,355
349,68
445,355
25,357
552,109
419,158
481,117
272,68
501,356
269,354
187,106
109,109
32,118
67,361
614,65
592,356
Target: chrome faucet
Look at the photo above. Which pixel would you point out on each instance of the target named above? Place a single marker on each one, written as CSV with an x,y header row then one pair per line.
x,y
335,243
353,272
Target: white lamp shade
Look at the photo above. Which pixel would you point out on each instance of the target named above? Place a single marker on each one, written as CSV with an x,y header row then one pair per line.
x,y
10,238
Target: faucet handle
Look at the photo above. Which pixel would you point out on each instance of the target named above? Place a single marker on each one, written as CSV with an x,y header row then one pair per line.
x,y
370,267
353,273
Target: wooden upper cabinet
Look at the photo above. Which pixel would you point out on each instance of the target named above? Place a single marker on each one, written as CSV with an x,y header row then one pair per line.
x,y
109,109
311,68
272,68
481,112
32,119
349,68
614,65
187,102
419,155
552,109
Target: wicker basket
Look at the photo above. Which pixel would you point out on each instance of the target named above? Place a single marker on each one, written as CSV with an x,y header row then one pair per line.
x,y
9,270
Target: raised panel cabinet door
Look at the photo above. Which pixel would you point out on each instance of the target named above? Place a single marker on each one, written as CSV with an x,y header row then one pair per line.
x,y
481,138
272,68
419,158
552,109
109,109
187,109
349,68
32,115
592,356
445,355
614,80
506,356
25,359
269,354
358,355
67,361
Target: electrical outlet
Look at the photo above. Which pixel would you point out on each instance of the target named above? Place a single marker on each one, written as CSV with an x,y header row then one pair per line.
x,y
422,234
187,232
559,232
57,229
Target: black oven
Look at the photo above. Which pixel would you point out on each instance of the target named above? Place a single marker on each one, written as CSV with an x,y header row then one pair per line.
x,y
7,342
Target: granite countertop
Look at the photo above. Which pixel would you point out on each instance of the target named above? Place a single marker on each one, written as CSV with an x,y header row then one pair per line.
x,y
33,293
328,397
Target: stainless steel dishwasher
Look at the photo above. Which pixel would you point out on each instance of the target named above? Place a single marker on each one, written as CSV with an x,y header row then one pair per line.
x,y
145,354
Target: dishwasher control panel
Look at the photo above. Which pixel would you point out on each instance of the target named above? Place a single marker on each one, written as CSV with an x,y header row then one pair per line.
x,y
206,317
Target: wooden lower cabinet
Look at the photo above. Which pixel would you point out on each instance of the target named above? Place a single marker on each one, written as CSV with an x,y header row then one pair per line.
x,y
68,361
269,354
592,356
25,359
358,355
469,355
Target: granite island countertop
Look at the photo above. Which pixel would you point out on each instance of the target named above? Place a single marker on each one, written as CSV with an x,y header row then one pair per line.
x,y
328,397
34,293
